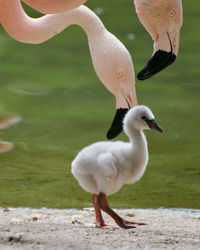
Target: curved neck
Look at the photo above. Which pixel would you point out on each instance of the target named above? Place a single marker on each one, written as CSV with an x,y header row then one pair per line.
x,y
37,30
85,18
137,139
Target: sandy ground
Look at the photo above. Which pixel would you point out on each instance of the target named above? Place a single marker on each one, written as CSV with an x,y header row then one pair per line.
x,y
24,228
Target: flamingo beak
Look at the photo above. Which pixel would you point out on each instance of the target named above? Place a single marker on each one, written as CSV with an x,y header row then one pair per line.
x,y
159,61
117,124
165,51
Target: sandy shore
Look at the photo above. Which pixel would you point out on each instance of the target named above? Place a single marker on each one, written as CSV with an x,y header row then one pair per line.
x,y
25,228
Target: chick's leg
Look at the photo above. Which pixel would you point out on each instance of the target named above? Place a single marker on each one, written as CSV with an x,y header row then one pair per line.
x,y
106,208
99,219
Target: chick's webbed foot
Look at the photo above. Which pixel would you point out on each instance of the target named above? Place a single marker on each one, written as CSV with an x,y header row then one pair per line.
x,y
134,223
103,225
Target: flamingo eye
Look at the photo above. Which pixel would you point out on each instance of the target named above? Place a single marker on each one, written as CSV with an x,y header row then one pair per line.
x,y
121,75
171,13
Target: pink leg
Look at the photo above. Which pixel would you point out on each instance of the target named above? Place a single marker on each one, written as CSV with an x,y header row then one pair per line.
x,y
106,208
99,219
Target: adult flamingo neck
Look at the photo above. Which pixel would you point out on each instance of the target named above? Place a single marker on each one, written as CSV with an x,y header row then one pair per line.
x,y
86,19
37,30
53,6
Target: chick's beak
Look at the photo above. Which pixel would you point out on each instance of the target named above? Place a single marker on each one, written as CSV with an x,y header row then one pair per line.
x,y
153,125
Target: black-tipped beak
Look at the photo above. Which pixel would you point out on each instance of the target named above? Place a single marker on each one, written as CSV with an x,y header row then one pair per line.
x,y
117,124
153,125
160,60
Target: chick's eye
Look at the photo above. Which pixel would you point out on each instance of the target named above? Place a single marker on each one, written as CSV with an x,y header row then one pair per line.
x,y
171,13
144,118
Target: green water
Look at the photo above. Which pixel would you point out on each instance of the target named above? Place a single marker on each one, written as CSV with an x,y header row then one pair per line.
x,y
64,107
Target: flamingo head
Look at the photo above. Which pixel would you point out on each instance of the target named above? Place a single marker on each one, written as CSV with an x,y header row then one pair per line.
x,y
114,67
163,20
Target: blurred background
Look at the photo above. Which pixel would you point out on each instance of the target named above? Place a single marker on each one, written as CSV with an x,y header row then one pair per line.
x,y
64,107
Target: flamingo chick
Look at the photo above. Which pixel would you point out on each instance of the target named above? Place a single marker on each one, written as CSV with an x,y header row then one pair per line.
x,y
104,167
163,20
112,61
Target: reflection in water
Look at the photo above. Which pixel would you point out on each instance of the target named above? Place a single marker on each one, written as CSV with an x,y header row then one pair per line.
x,y
10,121
4,145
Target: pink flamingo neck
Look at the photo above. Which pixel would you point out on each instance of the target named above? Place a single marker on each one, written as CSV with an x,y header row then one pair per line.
x,y
37,30
54,6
